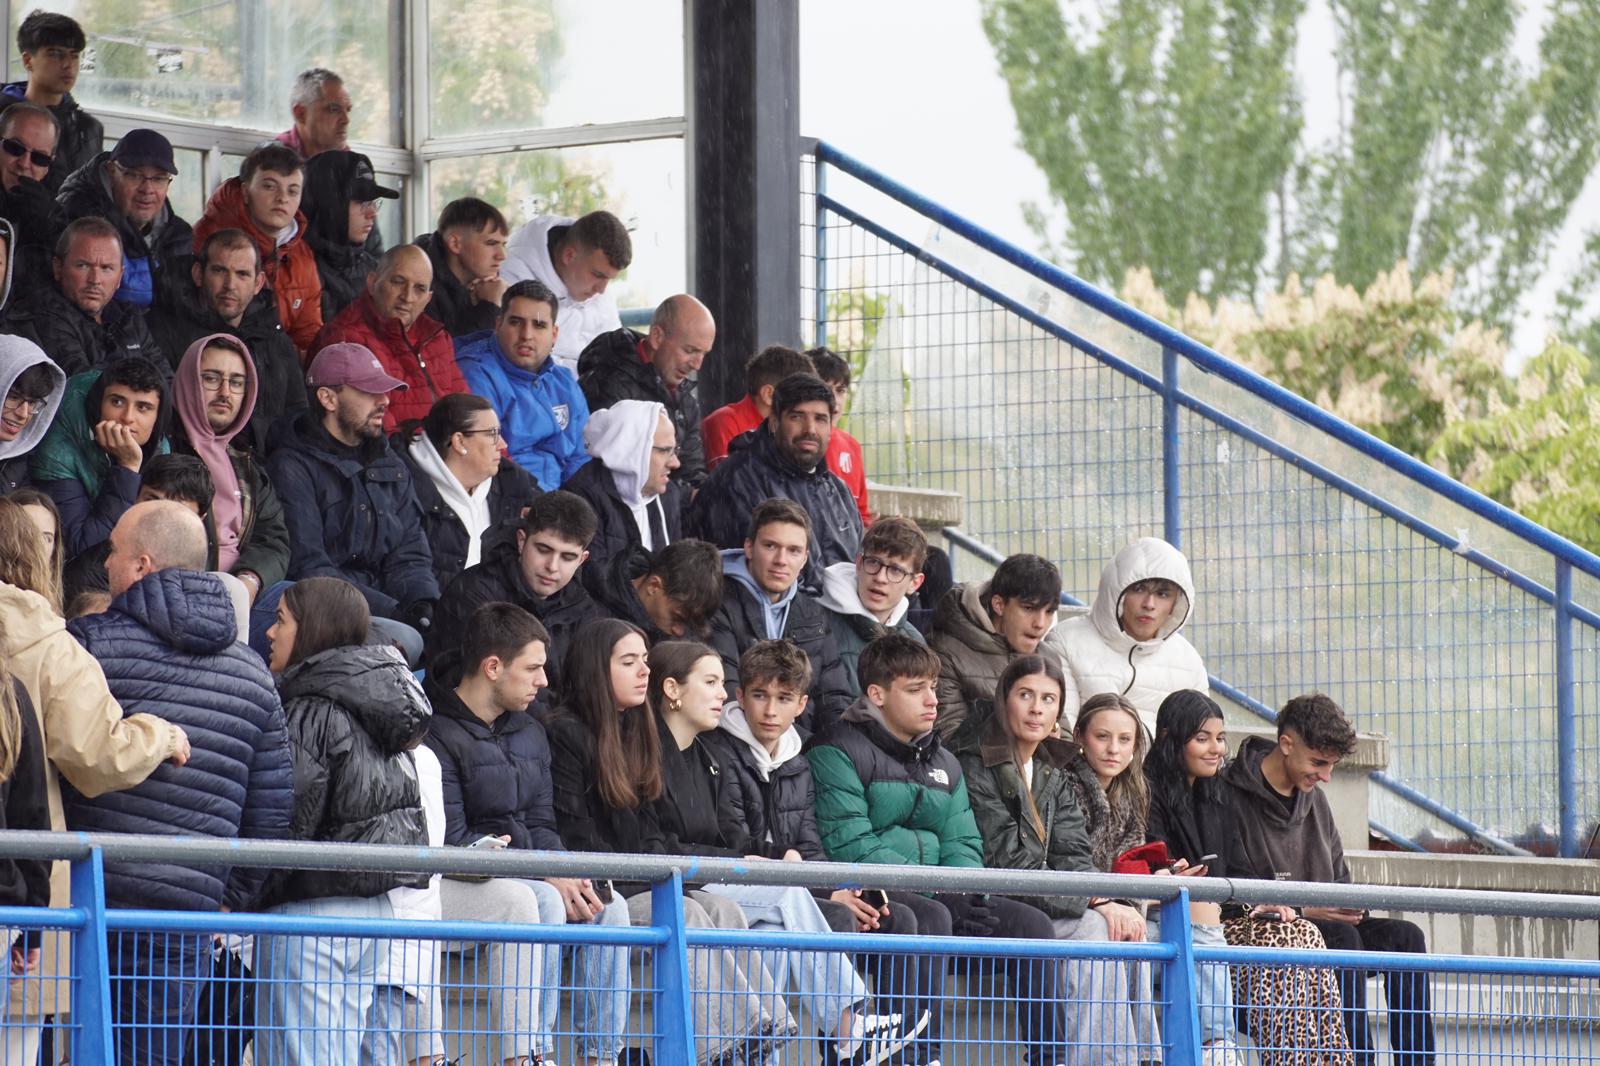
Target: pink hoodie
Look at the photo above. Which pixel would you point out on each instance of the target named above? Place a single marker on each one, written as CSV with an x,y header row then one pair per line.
x,y
189,399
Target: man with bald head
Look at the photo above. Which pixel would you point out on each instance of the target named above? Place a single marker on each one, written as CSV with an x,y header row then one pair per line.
x,y
658,367
388,319
169,646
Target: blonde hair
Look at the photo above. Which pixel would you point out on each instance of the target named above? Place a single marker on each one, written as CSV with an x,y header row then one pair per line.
x,y
23,559
1128,789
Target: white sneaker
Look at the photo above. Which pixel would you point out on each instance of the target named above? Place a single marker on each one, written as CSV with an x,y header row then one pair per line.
x,y
1219,1054
874,1038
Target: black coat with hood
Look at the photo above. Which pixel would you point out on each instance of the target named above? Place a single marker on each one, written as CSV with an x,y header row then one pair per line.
x,y
17,355
169,243
342,266
778,803
1274,842
77,342
617,533
452,304
353,715
611,369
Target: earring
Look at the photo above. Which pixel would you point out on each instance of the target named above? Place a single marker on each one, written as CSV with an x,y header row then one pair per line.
x,y
675,705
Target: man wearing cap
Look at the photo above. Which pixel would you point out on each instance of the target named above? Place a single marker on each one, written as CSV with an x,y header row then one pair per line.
x,y
78,321
340,202
387,319
127,187
348,498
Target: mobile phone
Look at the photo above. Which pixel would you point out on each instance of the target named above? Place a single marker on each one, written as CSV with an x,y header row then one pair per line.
x,y
875,897
603,891
1207,859
488,841
1268,916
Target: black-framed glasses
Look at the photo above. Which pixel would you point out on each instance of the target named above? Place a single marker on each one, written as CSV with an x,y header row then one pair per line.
x,y
153,181
215,379
15,401
17,149
875,566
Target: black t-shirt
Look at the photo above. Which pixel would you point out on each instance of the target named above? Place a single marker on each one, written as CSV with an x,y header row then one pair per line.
x,y
1286,802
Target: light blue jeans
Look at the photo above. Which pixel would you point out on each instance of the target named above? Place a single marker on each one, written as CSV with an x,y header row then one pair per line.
x,y
1213,991
313,992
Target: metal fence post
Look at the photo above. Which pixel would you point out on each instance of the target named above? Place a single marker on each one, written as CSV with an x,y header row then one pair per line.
x,y
1566,711
674,1021
1180,1022
819,268
1171,512
91,965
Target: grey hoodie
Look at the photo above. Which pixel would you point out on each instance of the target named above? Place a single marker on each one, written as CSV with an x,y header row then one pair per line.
x,y
17,354
1301,844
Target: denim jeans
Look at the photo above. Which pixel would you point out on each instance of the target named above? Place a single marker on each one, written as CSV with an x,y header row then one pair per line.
x,y
154,980
1213,990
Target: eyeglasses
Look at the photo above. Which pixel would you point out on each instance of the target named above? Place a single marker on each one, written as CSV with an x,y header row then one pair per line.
x,y
495,433
213,381
16,402
875,566
144,181
17,149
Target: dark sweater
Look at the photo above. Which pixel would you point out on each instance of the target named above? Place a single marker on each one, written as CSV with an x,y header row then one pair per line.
x,y
1275,841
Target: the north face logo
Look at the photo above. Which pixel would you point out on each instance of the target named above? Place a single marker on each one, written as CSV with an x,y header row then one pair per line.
x,y
939,777
562,413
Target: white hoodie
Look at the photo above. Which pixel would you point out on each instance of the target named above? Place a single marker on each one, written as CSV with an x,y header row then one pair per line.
x,y
621,437
471,507
840,595
734,724
16,355
528,256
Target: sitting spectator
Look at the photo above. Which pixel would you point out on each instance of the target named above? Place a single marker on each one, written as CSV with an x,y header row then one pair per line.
x,y
463,484
1286,832
264,202
542,410
888,792
111,422
844,451
41,511
870,597
169,645
353,711
340,202
52,47
228,296
26,203
347,497
321,109
629,480
14,321
33,387
979,627
467,250
762,600
127,187
1129,641
656,367
23,882
387,320
762,372
784,457
575,259
495,762
533,565
79,322
213,393
667,594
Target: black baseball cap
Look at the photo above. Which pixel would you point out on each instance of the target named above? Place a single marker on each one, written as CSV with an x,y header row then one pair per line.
x,y
144,148
364,183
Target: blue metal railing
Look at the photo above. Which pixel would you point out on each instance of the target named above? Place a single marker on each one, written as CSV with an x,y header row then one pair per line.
x,y
1010,394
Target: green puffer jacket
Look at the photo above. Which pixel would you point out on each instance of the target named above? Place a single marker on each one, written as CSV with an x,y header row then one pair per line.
x,y
1011,838
880,799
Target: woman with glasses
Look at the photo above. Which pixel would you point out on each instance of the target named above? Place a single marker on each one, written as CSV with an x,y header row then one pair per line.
x,y
467,488
32,386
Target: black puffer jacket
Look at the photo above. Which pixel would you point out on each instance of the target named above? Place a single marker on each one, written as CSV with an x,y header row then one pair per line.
x,y
353,715
755,470
86,193
497,779
76,342
611,369
617,532
452,304
585,822
701,809
783,806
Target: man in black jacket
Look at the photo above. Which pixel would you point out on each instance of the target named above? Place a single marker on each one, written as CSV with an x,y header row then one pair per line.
x,y
629,482
784,457
25,201
78,320
52,47
761,600
467,250
657,366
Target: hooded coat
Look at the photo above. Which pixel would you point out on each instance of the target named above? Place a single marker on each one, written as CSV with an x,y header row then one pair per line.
x,y
452,303
325,198
853,626
613,368
290,266
748,615
148,255
16,355
423,357
1274,843
620,441
528,256
1100,657
755,470
883,799
82,137
542,412
353,713
777,793
78,343
169,646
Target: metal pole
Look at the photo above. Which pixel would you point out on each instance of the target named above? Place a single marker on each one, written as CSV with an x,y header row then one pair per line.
x,y
1180,1022
1566,720
91,965
819,261
1171,514
673,1020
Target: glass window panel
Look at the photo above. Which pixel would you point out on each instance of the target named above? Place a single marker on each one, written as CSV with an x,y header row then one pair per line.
x,y
640,182
391,217
188,193
234,63
536,64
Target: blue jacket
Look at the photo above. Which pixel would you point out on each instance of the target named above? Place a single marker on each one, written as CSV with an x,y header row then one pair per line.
x,y
352,514
169,647
542,414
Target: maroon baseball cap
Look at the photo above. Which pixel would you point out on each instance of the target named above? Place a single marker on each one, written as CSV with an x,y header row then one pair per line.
x,y
350,364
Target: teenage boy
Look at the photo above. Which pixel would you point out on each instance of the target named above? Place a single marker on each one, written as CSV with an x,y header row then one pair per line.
x,y
870,597
762,600
52,47
668,593
888,792
467,250
1285,832
844,451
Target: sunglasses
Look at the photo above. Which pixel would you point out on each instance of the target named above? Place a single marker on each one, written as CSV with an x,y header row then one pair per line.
x,y
16,148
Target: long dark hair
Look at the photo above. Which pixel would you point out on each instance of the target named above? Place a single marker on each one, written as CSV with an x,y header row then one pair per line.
x,y
627,752
1017,669
328,613
1177,721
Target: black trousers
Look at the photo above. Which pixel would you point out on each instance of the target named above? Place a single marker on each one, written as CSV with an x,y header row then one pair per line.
x,y
1406,994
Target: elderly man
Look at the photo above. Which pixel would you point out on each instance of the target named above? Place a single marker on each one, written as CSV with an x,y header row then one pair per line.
x,y
25,200
576,259
387,319
78,320
657,366
127,187
321,109
629,481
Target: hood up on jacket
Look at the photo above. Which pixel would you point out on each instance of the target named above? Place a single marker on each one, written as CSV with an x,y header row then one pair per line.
x,y
774,613
374,686
840,595
1145,559
189,400
528,255
17,354
621,437
188,610
735,725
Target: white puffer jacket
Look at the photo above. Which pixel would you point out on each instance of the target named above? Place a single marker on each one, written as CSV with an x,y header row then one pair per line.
x,y
1102,658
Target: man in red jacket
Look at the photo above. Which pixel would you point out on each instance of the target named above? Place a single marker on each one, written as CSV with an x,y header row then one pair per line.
x,y
387,318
